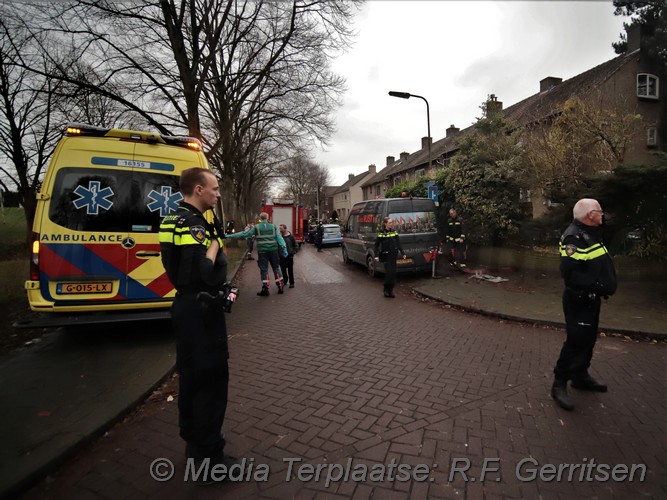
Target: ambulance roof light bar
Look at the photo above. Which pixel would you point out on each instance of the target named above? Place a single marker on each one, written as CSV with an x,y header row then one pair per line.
x,y
85,129
81,129
180,140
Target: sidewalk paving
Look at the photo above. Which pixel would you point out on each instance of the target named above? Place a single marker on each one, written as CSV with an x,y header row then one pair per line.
x,y
637,309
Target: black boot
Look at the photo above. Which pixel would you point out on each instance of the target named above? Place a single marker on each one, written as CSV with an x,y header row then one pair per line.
x,y
386,291
588,383
559,395
264,291
391,292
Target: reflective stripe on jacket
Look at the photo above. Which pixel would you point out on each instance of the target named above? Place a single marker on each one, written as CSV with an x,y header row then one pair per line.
x,y
184,238
585,263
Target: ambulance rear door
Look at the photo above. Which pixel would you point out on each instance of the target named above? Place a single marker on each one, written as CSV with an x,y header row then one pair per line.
x,y
82,258
155,194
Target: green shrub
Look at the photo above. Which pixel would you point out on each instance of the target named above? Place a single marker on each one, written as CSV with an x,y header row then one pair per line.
x,y
416,188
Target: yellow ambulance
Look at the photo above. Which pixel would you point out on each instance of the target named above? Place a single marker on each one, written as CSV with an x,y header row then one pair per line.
x,y
95,242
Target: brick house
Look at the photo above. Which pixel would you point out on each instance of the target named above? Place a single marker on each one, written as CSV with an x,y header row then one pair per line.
x,y
350,193
628,83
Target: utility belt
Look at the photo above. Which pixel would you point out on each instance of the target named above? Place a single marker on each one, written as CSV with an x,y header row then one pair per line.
x,y
185,291
223,298
581,294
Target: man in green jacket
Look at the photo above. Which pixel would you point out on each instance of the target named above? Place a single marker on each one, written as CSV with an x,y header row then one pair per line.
x,y
269,244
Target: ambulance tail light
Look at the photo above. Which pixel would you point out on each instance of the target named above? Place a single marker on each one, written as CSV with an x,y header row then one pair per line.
x,y
34,258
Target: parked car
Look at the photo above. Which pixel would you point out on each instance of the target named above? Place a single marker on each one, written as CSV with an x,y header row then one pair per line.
x,y
332,235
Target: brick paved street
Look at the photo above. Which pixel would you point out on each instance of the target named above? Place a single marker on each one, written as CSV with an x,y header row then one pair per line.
x,y
332,371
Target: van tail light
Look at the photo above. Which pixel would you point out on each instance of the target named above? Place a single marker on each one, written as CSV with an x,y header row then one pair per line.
x,y
34,258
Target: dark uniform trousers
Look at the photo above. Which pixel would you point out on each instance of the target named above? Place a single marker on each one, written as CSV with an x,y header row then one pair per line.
x,y
582,315
390,269
202,362
287,268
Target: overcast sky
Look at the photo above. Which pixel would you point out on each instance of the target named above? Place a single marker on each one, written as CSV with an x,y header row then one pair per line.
x,y
453,53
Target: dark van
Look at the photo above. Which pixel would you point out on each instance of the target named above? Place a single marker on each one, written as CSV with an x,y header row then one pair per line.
x,y
414,220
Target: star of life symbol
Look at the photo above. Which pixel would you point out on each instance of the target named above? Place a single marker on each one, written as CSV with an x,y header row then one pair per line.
x,y
165,201
93,198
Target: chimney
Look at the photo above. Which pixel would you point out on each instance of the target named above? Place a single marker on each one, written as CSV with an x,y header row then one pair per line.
x,y
390,160
633,35
549,82
371,168
451,131
493,105
425,142
404,155
350,177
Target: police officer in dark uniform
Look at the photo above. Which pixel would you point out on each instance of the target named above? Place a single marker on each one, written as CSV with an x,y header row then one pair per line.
x,y
319,236
196,265
589,275
387,249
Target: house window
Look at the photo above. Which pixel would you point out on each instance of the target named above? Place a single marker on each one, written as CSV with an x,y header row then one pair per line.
x,y
419,173
377,190
651,137
647,86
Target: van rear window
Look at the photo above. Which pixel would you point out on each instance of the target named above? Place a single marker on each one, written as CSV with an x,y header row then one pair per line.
x,y
414,222
104,200
413,216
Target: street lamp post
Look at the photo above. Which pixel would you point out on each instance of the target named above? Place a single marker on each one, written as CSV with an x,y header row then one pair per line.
x,y
407,95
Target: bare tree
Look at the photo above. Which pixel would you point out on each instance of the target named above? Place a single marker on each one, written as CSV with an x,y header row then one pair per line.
x,y
251,78
301,179
272,92
31,121
585,137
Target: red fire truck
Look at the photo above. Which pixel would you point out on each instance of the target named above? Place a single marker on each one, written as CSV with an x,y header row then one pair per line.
x,y
295,217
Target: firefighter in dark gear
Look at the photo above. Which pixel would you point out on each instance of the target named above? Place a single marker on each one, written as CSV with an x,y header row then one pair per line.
x,y
193,257
589,275
456,239
387,250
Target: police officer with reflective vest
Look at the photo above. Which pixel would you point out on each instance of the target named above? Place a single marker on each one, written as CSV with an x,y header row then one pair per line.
x,y
196,265
456,239
270,246
589,274
387,249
